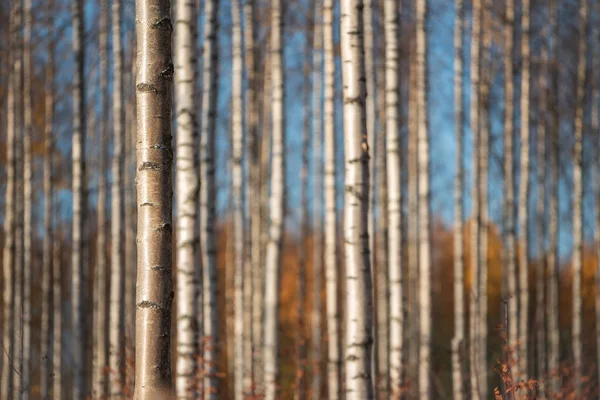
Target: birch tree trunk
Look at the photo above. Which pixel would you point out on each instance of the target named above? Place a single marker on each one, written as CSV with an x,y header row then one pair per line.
x,y
458,341
154,193
187,198
210,339
394,199
100,358
359,303
46,376
424,222
252,192
552,306
237,120
334,383
475,225
578,198
300,392
524,196
8,256
117,282
541,218
276,203
317,148
79,203
27,203
509,187
57,305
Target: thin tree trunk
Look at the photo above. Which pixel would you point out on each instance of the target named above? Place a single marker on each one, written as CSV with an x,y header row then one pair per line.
x,y
523,197
28,201
475,225
394,199
578,198
458,341
100,358
79,204
210,339
57,304
359,302
541,218
154,183
317,147
276,203
331,272
187,198
116,336
8,256
46,375
237,119
596,176
304,216
424,219
509,188
552,305
252,192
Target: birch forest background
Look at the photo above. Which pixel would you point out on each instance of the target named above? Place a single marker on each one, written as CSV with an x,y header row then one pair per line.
x,y
308,199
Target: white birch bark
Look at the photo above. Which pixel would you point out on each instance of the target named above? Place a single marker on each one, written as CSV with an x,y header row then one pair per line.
x,y
116,333
394,199
552,306
458,341
358,299
100,356
78,165
187,184
424,219
509,259
46,375
524,184
334,384
317,148
276,203
210,339
27,197
237,121
154,193
252,191
577,200
8,256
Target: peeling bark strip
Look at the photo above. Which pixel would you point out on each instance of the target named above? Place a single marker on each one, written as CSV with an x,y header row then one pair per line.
x,y
394,199
188,279
458,341
79,204
276,203
359,302
210,339
153,366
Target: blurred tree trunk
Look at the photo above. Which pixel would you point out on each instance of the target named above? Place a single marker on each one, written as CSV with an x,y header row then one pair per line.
x,y
100,357
552,310
359,302
46,376
458,341
596,174
187,185
27,197
578,198
524,184
237,120
210,338
394,199
317,147
117,283
276,203
57,299
154,289
334,384
79,201
9,253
